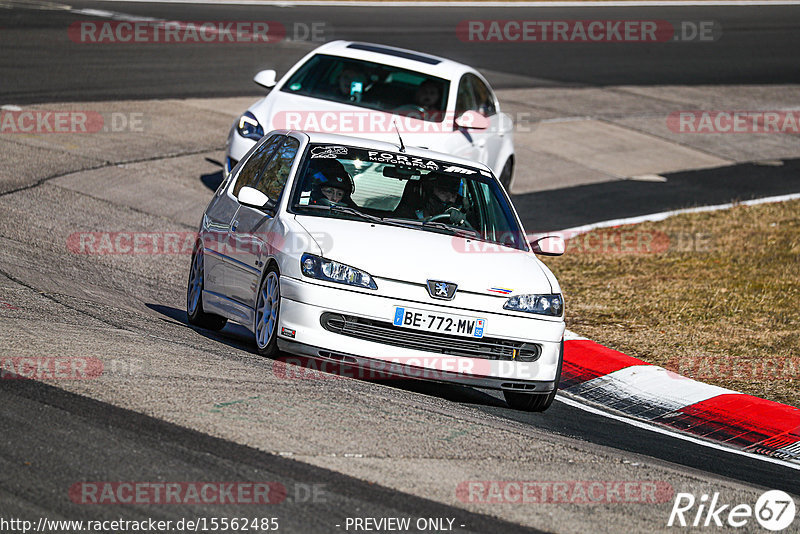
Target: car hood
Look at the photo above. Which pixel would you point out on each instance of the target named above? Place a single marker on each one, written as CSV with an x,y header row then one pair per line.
x,y
415,256
286,111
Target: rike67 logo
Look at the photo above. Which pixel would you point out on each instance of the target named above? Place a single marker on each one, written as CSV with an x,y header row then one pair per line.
x,y
774,510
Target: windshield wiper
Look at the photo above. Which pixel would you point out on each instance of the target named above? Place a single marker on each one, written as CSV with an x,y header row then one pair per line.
x,y
455,230
335,208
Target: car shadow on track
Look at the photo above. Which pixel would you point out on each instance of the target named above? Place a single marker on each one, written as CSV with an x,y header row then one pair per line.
x,y
592,203
237,336
212,180
233,335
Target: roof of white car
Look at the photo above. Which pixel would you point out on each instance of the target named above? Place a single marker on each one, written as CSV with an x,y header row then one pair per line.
x,y
360,142
400,57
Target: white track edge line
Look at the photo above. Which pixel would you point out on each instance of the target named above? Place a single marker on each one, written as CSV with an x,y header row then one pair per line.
x,y
660,216
686,437
649,426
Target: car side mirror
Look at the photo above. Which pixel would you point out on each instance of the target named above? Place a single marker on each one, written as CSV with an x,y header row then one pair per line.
x,y
550,245
266,78
253,198
472,120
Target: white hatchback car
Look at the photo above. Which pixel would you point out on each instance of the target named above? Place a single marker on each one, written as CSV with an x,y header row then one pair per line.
x,y
368,90
381,257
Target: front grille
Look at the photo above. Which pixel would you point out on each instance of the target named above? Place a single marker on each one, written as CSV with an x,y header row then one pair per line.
x,y
388,334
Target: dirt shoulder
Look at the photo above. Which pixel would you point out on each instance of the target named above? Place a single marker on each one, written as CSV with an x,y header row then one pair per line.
x,y
713,296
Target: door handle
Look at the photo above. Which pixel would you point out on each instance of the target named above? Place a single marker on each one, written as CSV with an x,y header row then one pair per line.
x,y
234,225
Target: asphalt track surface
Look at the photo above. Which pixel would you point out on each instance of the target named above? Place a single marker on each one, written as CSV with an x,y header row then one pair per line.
x,y
755,44
145,448
74,437
593,203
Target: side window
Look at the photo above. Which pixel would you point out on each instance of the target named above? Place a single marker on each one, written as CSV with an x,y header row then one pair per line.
x,y
484,99
273,177
464,98
258,160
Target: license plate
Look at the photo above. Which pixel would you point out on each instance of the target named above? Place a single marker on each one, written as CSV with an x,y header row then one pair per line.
x,y
443,323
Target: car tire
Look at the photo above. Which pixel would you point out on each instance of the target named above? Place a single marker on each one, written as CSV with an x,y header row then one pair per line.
x,y
507,174
194,295
268,307
535,402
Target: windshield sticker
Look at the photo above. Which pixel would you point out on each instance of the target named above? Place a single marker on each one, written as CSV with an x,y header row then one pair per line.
x,y
458,170
486,174
402,159
328,152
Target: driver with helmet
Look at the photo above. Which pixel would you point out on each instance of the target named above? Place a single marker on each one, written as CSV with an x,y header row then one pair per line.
x,y
437,194
330,182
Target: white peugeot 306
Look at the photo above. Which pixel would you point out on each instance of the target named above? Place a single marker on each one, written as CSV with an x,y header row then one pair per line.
x,y
369,90
381,257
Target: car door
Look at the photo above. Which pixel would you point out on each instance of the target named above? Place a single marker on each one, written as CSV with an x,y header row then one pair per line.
x,y
256,232
216,225
223,257
215,231
492,137
471,143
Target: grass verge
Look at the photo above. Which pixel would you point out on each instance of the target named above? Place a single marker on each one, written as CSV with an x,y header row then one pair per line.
x,y
713,296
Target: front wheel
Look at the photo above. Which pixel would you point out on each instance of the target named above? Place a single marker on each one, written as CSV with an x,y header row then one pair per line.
x,y
536,402
529,402
194,296
268,307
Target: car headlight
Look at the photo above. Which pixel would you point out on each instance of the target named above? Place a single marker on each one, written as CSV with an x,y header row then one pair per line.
x,y
333,271
552,305
249,128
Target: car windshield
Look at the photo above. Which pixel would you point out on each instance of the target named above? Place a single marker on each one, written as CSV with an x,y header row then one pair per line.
x,y
399,189
371,85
